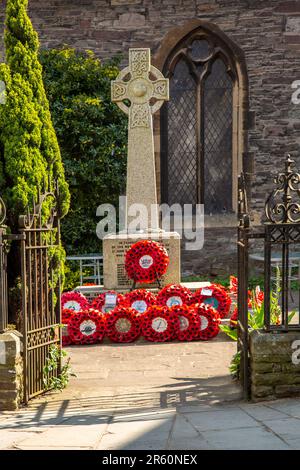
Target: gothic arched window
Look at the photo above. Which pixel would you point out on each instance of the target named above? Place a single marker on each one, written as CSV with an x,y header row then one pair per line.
x,y
200,124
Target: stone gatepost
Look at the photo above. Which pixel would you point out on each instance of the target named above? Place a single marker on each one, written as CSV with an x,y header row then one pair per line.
x,y
274,364
11,371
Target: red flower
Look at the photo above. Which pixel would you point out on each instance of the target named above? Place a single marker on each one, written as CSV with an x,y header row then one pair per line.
x,y
234,318
139,299
209,320
65,318
74,301
214,295
86,327
146,260
173,294
233,284
258,297
159,324
123,325
99,302
189,322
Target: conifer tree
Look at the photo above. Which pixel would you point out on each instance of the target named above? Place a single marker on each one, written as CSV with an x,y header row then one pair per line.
x,y
31,156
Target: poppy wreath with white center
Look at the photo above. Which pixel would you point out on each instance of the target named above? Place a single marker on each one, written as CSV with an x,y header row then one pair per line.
x,y
138,299
99,302
65,318
74,301
159,324
87,327
189,322
173,293
209,322
123,325
218,299
146,260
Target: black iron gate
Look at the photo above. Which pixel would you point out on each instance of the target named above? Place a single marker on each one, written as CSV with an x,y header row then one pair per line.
x,y
246,235
40,292
280,232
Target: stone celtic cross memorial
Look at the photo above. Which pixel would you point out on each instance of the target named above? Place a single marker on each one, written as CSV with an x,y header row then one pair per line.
x,y
134,84
139,90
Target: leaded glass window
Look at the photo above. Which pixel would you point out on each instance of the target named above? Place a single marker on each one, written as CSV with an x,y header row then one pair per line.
x,y
197,126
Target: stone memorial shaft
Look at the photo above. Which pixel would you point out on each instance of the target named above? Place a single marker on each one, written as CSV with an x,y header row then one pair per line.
x,y
145,90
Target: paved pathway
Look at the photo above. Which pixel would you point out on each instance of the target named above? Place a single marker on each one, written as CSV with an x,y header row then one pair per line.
x,y
152,396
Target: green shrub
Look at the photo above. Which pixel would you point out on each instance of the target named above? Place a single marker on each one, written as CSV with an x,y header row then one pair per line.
x,y
92,134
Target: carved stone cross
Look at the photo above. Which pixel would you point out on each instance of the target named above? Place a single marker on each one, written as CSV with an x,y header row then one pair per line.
x,y
146,89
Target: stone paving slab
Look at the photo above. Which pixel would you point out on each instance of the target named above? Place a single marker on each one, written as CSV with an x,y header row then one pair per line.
x,y
195,427
233,418
80,431
255,438
138,433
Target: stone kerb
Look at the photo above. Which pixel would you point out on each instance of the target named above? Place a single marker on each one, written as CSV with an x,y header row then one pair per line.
x,y
275,364
11,371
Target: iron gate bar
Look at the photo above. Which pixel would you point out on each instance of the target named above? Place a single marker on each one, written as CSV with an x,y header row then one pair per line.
x,y
245,235
3,282
4,249
267,274
242,323
285,284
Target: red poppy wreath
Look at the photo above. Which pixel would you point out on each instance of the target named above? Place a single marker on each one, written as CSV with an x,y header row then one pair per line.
x,y
65,318
215,296
138,299
173,294
159,324
189,322
87,327
146,260
99,302
209,322
74,301
123,325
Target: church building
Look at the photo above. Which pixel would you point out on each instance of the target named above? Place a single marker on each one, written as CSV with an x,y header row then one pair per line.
x,y
233,67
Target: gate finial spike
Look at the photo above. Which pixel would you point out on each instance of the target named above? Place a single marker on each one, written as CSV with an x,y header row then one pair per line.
x,y
289,163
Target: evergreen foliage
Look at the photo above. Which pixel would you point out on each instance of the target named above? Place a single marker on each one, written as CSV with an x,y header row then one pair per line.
x,y
31,159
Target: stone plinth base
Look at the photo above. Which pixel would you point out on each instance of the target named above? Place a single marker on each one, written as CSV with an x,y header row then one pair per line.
x,y
115,247
275,365
11,371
